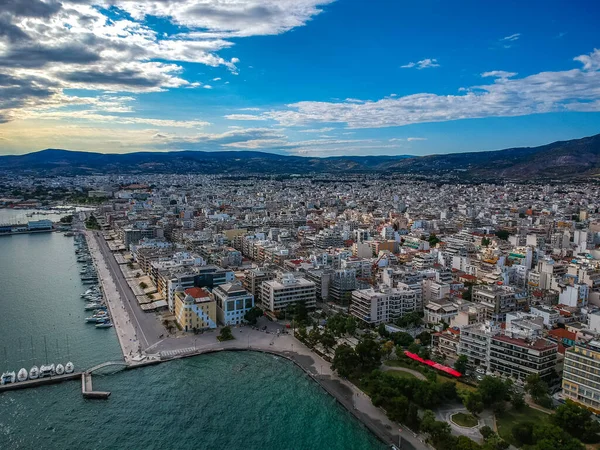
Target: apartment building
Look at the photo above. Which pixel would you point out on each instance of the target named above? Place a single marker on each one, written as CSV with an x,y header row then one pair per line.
x,y
499,300
286,289
382,305
581,375
475,341
233,302
438,311
518,358
253,280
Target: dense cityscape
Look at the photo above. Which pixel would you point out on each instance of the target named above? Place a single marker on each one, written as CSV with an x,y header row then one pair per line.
x,y
468,314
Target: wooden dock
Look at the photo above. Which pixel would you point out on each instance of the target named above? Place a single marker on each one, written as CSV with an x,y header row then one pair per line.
x,y
87,389
39,382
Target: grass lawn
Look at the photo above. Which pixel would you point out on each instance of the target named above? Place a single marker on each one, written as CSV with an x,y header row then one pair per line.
x,y
510,418
464,420
424,370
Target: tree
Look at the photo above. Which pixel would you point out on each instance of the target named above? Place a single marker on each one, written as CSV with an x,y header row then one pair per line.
x,y
252,315
486,431
517,400
577,421
461,364
424,338
536,387
433,240
345,360
328,340
225,334
473,402
492,390
411,319
548,436
414,348
424,352
314,336
485,242
298,312
502,234
383,332
402,339
387,349
523,433
369,355
350,325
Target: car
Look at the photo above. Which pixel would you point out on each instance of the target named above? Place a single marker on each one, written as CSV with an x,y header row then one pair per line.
x,y
480,370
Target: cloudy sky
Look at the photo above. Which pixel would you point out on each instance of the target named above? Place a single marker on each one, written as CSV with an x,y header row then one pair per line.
x,y
304,77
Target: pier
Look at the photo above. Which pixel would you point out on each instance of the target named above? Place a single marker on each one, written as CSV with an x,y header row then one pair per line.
x,y
87,389
40,382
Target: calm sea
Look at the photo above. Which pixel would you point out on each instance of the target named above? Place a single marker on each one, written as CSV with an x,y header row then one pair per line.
x,y
225,401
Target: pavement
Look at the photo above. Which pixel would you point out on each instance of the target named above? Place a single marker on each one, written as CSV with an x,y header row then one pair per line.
x,y
445,413
414,373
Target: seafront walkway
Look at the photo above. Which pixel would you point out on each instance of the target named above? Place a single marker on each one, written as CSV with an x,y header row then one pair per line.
x,y
126,332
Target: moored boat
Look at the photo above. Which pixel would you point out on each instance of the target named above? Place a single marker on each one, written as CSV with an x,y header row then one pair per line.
x,y
22,375
69,367
104,325
46,370
60,369
34,373
8,377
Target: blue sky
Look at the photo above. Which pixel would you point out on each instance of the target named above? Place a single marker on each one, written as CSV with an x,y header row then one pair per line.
x,y
306,77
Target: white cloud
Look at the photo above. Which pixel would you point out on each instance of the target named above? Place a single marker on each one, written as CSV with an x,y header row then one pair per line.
x,y
544,92
423,64
216,79
207,86
498,74
410,139
317,130
511,38
244,117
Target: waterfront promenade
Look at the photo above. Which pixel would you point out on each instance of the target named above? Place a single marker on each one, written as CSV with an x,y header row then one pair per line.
x,y
139,335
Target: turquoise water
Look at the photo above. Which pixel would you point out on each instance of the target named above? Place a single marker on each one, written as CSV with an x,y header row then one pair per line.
x,y
222,401
226,401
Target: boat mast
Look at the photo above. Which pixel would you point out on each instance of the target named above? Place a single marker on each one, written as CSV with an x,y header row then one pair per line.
x,y
32,352
46,347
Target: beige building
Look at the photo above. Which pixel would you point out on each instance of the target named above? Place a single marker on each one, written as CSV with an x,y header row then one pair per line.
x,y
287,289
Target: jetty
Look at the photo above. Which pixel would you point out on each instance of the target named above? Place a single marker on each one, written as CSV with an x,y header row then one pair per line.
x,y
40,382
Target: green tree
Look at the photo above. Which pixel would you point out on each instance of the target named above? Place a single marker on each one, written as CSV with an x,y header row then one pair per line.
x,y
548,436
577,421
424,338
486,431
314,336
402,339
461,364
411,319
383,332
225,334
369,354
473,402
492,390
351,325
523,433
387,349
345,360
328,340
253,314
536,387
517,400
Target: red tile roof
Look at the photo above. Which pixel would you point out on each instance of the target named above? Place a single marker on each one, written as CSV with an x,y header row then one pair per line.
x,y
563,334
197,292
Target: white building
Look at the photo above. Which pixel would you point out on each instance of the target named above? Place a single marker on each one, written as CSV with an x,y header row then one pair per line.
x,y
233,302
287,289
575,296
382,305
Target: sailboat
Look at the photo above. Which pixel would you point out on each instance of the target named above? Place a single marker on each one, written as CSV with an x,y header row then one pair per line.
x,y
69,367
22,374
34,372
7,377
60,369
47,370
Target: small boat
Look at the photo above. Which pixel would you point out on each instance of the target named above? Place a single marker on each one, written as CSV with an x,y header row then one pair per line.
x,y
34,373
46,370
22,375
104,325
60,369
103,319
94,319
91,306
8,377
69,367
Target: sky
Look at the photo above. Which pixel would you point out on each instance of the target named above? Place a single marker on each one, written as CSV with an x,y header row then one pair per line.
x,y
301,77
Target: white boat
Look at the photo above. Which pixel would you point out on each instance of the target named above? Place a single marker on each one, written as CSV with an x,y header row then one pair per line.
x,y
91,306
104,325
60,369
34,373
46,370
22,375
69,367
8,377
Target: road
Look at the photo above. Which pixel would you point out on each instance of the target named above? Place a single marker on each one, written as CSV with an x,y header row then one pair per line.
x,y
147,325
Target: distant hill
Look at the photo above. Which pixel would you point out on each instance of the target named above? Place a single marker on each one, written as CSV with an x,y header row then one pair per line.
x,y
577,158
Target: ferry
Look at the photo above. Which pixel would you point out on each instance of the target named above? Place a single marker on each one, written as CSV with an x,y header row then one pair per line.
x,y
22,375
8,377
34,373
104,325
69,367
46,371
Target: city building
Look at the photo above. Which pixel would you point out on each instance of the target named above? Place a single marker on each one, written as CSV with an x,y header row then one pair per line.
x,y
233,302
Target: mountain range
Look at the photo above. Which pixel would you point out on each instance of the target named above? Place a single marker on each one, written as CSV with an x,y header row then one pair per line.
x,y
562,160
